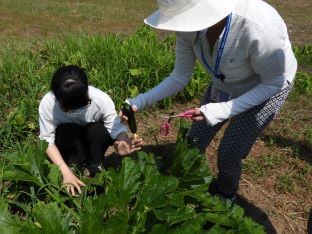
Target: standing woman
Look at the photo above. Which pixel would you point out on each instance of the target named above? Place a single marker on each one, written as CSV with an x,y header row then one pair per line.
x,y
244,45
80,122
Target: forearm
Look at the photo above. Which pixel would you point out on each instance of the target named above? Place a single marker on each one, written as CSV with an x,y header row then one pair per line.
x,y
70,181
56,157
166,88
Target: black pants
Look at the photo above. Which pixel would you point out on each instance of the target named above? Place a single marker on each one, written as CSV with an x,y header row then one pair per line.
x,y
83,145
238,138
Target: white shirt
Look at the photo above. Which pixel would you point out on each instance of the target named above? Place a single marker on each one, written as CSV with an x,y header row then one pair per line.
x,y
257,62
101,108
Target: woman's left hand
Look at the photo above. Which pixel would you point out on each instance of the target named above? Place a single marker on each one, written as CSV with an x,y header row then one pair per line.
x,y
125,147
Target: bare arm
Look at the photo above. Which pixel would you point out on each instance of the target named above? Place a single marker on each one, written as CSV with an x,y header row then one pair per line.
x,y
70,181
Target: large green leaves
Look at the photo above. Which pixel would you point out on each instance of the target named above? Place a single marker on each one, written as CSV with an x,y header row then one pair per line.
x,y
124,183
103,215
8,223
50,218
189,165
136,198
27,164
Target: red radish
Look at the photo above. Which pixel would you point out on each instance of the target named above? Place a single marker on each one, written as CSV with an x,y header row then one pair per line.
x,y
164,129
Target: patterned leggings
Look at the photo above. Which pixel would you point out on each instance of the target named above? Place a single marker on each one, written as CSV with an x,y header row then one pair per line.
x,y
238,138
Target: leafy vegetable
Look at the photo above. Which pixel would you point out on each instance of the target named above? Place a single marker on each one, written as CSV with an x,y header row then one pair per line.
x,y
136,198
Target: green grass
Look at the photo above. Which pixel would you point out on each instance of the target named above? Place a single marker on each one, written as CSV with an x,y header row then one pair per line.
x,y
121,66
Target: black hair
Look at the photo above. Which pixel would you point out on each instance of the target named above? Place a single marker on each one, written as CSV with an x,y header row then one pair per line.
x,y
70,87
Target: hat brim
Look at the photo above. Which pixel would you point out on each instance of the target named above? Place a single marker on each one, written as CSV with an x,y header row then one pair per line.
x,y
202,15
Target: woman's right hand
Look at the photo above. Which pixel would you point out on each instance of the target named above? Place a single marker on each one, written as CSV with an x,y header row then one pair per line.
x,y
123,117
72,183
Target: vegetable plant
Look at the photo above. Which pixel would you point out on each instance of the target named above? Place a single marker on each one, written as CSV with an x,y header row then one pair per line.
x,y
136,197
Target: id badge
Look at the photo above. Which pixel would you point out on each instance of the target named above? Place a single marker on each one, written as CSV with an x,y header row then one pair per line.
x,y
218,95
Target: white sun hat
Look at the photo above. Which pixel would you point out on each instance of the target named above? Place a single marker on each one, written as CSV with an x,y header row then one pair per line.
x,y
189,15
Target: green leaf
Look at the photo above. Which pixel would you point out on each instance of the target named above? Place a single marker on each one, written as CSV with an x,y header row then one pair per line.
x,y
221,218
176,199
99,180
189,165
109,213
153,192
139,220
36,156
50,218
125,182
18,176
27,164
190,226
160,228
135,72
11,224
133,90
54,175
103,214
8,223
147,164
174,215
247,225
216,229
237,212
117,221
92,214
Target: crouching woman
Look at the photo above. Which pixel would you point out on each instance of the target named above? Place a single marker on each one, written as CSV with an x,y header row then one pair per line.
x,y
80,122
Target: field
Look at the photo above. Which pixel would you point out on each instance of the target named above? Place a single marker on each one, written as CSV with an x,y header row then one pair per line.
x,y
108,39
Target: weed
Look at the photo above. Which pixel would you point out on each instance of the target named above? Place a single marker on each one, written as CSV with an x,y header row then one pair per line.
x,y
271,161
285,183
253,166
308,135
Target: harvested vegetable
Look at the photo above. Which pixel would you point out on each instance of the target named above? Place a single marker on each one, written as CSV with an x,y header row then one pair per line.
x,y
127,111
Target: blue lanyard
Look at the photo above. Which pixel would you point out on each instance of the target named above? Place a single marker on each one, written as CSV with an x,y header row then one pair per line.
x,y
220,51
